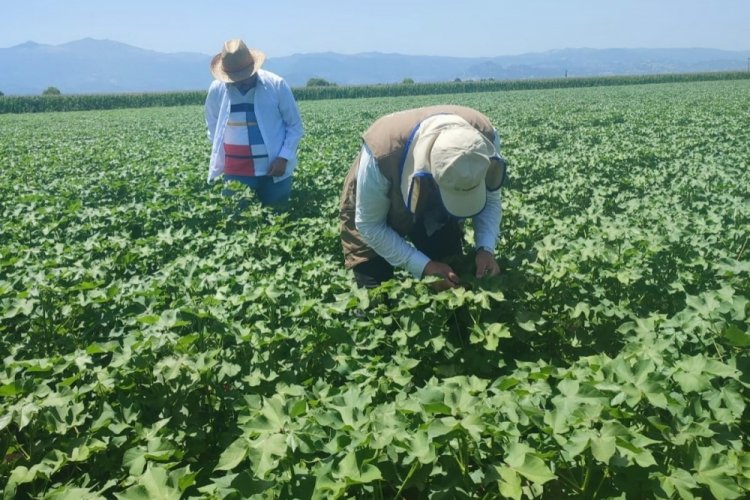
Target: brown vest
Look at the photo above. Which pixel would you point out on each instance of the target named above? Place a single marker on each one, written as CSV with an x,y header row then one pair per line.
x,y
386,139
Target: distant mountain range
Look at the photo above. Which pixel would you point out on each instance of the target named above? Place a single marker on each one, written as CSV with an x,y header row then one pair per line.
x,y
104,66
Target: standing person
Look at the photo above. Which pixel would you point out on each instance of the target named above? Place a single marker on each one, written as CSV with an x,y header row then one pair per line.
x,y
253,124
418,175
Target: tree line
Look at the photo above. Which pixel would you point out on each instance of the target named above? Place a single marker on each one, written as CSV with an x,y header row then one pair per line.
x,y
319,88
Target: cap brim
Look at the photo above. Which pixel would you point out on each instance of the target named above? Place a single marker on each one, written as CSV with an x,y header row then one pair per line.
x,y
464,204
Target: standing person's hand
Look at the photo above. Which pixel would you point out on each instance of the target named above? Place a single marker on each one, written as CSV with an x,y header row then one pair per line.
x,y
278,167
486,264
435,268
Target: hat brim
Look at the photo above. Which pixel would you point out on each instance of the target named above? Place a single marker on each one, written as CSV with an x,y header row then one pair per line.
x,y
464,204
237,76
496,173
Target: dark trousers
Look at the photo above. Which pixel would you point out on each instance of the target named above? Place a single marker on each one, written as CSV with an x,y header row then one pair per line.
x,y
445,242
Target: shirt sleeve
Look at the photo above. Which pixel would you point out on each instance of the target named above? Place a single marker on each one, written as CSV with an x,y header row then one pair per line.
x,y
487,222
292,121
371,213
211,111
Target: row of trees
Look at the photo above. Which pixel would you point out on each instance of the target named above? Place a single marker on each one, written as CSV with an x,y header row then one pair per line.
x,y
322,82
47,91
312,82
72,102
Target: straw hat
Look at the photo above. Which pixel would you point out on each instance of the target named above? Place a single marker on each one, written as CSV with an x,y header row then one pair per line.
x,y
236,62
461,160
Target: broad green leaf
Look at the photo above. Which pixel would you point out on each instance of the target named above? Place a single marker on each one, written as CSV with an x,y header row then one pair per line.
x,y
265,453
233,455
441,426
716,472
692,376
576,444
5,420
523,461
153,485
679,481
8,390
422,447
737,337
135,460
510,484
603,448
71,493
433,401
357,473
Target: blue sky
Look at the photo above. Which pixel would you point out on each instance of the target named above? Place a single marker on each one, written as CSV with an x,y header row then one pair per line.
x,y
431,27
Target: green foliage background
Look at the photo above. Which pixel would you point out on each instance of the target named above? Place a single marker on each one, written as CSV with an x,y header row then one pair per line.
x,y
159,342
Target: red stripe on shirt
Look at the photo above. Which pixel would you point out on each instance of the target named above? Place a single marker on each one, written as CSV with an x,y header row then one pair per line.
x,y
239,166
237,150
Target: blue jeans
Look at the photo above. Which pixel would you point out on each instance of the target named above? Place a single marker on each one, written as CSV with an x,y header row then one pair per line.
x,y
269,193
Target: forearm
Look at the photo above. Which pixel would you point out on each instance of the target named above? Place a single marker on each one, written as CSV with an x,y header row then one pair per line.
x,y
487,222
392,247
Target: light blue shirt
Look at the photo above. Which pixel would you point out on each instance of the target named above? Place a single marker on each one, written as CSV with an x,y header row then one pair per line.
x,y
278,119
371,214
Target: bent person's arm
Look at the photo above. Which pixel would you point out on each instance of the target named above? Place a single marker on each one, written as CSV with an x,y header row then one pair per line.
x,y
371,215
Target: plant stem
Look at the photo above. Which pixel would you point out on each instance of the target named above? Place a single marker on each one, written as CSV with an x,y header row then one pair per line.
x,y
587,476
742,249
601,482
408,476
570,482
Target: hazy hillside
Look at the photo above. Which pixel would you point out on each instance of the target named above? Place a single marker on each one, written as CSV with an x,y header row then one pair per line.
x,y
92,66
88,65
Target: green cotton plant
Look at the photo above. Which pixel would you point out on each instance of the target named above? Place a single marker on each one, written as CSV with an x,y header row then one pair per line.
x,y
159,341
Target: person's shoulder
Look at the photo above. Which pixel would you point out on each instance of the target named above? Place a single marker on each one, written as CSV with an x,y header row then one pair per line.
x,y
216,86
269,77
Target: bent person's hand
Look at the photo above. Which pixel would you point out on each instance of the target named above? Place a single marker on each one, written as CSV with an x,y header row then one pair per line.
x,y
486,264
278,167
435,268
